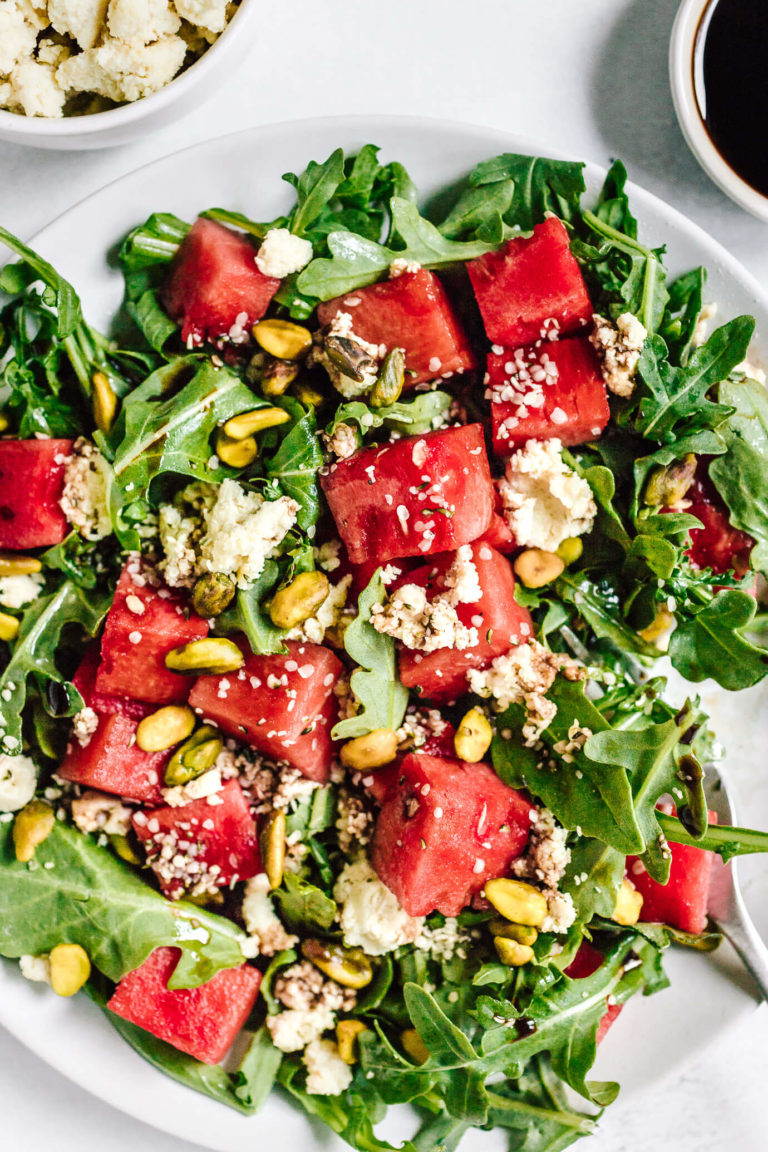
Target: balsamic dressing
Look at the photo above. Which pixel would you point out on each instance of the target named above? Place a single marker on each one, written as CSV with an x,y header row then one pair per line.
x,y
731,74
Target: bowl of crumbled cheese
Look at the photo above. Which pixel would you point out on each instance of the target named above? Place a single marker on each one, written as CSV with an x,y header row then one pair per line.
x,y
94,73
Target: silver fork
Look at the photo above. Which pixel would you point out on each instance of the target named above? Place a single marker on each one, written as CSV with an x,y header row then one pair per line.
x,y
726,905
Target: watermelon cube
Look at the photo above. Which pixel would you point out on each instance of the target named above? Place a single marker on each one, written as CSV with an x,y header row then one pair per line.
x,y
499,620
214,289
283,706
104,703
203,1021
449,828
412,312
214,836
716,545
682,902
531,288
144,623
412,497
586,962
546,390
31,486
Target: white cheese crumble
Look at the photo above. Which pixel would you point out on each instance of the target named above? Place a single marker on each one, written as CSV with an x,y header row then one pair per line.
x,y
327,1074
281,253
561,912
142,21
16,591
18,779
266,934
123,72
206,785
343,442
400,266
619,346
80,19
326,617
311,1004
523,676
84,724
544,501
97,812
18,36
84,500
36,968
426,625
546,855
371,917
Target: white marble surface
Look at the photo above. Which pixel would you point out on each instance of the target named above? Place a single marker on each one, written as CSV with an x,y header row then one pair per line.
x,y
587,76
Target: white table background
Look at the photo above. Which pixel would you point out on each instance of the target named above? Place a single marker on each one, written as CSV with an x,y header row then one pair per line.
x,y
586,76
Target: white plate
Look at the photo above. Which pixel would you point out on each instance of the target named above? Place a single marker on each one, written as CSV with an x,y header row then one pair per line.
x,y
655,1037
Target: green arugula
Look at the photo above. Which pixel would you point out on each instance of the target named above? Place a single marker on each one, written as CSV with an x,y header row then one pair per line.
x,y
297,461
407,417
246,614
712,644
741,474
304,905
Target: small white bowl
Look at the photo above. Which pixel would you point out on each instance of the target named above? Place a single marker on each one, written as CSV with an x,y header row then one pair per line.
x,y
121,125
691,23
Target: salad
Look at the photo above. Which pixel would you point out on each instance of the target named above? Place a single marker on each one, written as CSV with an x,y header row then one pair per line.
x,y
336,759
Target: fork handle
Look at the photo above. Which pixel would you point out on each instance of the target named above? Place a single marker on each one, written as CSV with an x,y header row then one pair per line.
x,y
743,936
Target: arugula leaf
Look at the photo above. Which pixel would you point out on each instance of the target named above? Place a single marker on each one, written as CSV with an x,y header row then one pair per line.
x,y
296,463
257,1072
741,475
678,326
604,869
711,643
408,417
631,276
68,311
721,838
34,650
539,186
304,905
90,898
374,682
246,615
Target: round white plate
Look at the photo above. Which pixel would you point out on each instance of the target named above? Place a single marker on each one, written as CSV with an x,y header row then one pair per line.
x,y
654,1037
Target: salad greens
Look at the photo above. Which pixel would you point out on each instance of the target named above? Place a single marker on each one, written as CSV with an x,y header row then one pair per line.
x,y
445,1026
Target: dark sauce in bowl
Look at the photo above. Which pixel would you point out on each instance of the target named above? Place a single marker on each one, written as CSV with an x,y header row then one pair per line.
x,y
731,84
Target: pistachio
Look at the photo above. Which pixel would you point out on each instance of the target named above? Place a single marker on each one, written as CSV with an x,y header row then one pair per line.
x,y
197,755
517,901
123,848
628,906
9,626
308,395
347,1033
349,967
523,933
473,736
70,969
257,420
277,376
212,656
658,628
273,848
104,402
512,953
4,422
390,381
535,567
370,751
299,600
570,549
349,358
414,1046
33,824
668,485
212,594
165,727
14,564
282,339
236,453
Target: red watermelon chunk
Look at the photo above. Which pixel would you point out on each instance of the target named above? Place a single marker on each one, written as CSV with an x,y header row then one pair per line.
x,y
587,961
412,312
531,288
546,390
216,834
204,1021
144,623
412,497
450,828
717,545
102,702
682,902
214,289
283,706
498,619
31,486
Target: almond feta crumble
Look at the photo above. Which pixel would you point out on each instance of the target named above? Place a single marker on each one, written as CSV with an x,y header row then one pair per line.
x,y
371,917
98,812
425,625
311,1002
619,346
18,779
18,591
266,934
544,501
327,1074
281,253
85,499
523,676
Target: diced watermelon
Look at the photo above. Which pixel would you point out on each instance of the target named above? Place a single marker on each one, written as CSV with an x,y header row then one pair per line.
x,y
575,405
214,289
587,961
31,486
102,702
450,828
499,535
281,705
411,312
112,762
412,497
531,288
497,617
203,1021
219,836
682,902
135,643
717,545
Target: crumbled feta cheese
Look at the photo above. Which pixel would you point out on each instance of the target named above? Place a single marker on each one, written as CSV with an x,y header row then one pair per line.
x,y
84,724
371,917
37,968
84,500
422,624
399,267
523,676
81,19
326,617
327,555
141,21
544,500
18,36
619,346
343,442
267,935
311,1002
97,812
206,785
16,591
327,1074
293,1029
281,253
546,855
35,90
561,912
124,72
18,779
462,581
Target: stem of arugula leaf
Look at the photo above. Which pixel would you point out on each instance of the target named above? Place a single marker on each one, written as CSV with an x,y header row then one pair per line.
x,y
632,248
717,838
567,1119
